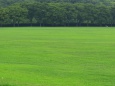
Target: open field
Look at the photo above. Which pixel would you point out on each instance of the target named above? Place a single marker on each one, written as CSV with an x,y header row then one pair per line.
x,y
57,56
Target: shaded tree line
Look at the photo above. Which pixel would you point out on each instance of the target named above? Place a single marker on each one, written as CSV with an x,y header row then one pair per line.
x,y
105,2
57,14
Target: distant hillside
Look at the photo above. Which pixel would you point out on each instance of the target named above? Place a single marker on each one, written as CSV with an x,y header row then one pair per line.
x,y
106,2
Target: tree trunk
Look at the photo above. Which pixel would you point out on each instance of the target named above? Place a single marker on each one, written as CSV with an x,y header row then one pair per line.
x,y
31,22
14,24
18,24
40,24
1,25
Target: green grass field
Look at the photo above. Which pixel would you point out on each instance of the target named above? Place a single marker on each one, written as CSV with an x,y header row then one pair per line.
x,y
57,56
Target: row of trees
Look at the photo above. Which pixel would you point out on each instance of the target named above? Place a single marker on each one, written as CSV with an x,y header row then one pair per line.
x,y
55,14
106,2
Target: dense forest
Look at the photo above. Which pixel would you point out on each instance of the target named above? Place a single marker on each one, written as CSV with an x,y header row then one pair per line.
x,y
106,2
57,12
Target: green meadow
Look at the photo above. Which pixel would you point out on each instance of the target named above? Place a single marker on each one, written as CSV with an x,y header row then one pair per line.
x,y
57,56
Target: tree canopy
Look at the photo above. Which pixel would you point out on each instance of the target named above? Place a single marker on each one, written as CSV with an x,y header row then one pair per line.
x,y
57,12
106,2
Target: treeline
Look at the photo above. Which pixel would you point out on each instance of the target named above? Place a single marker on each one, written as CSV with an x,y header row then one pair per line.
x,y
105,2
57,14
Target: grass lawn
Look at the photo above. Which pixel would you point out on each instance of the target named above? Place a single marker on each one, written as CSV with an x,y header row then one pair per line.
x,y
57,56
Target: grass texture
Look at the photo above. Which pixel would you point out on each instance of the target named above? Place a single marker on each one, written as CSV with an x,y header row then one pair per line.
x,y
57,56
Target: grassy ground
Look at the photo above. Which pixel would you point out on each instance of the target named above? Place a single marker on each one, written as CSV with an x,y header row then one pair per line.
x,y
57,56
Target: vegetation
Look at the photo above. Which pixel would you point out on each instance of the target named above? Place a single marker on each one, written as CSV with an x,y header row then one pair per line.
x,y
57,12
106,2
57,56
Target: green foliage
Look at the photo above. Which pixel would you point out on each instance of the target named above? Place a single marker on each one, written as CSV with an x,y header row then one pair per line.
x,y
106,2
54,13
17,14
